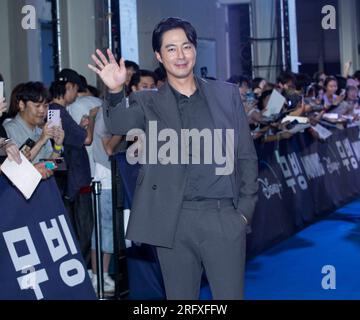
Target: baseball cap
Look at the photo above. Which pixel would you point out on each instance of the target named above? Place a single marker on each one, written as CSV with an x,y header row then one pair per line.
x,y
69,75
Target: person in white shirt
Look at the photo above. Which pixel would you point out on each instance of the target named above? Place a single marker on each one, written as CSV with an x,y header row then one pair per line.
x,y
81,107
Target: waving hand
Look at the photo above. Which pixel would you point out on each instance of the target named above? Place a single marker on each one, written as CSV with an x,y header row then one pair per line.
x,y
111,73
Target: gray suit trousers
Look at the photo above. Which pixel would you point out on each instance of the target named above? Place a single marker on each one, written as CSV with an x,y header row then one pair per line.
x,y
210,236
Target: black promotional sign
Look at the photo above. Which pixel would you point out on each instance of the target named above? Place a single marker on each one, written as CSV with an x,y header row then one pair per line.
x,y
301,179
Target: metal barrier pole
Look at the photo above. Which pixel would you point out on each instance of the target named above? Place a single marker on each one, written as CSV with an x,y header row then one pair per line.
x,y
96,189
120,264
115,229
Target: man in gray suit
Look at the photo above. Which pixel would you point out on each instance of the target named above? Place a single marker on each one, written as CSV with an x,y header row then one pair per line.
x,y
195,213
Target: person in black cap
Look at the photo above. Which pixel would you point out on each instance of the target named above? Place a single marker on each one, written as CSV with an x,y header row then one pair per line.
x,y
72,82
76,187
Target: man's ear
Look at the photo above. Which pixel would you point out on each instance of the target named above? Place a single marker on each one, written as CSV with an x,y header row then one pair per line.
x,y
133,89
158,57
22,106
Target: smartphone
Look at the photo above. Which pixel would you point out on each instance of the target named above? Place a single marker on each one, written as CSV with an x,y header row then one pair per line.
x,y
28,145
1,89
53,116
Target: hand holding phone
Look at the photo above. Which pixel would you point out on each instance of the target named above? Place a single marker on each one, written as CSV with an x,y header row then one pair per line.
x,y
53,118
26,148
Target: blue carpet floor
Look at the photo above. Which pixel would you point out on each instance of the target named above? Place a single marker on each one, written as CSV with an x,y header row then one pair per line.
x,y
293,268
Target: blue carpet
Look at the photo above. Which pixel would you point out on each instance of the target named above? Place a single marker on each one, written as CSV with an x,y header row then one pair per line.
x,y
292,270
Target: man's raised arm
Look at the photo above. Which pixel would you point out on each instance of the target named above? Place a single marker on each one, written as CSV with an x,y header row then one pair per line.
x,y
117,118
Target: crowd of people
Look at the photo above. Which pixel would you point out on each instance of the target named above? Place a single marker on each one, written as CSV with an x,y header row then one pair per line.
x,y
330,101
81,144
80,147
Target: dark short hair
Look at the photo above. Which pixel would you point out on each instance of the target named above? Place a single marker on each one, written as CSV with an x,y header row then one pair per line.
x,y
136,78
328,80
357,75
70,75
32,91
94,91
314,89
84,85
342,83
160,73
264,95
58,89
317,76
132,64
171,24
302,81
256,82
14,102
286,76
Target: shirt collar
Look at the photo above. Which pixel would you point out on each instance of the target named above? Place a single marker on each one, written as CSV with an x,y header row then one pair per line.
x,y
179,96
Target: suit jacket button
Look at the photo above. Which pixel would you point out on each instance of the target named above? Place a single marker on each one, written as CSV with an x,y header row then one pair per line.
x,y
154,187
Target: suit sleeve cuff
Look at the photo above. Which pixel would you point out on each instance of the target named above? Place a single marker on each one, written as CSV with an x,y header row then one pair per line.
x,y
114,99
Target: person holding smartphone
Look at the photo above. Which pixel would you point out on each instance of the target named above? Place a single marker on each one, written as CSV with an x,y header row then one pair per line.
x,y
32,100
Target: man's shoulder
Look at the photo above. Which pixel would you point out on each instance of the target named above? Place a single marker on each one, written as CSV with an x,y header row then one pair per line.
x,y
11,124
89,101
217,84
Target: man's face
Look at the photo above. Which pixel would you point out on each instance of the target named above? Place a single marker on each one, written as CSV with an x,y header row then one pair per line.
x,y
33,113
71,93
177,54
146,83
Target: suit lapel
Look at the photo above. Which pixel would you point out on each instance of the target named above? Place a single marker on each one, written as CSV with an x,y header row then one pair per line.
x,y
166,107
222,112
220,115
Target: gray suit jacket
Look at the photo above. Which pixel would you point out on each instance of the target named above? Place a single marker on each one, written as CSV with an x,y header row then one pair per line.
x,y
160,188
